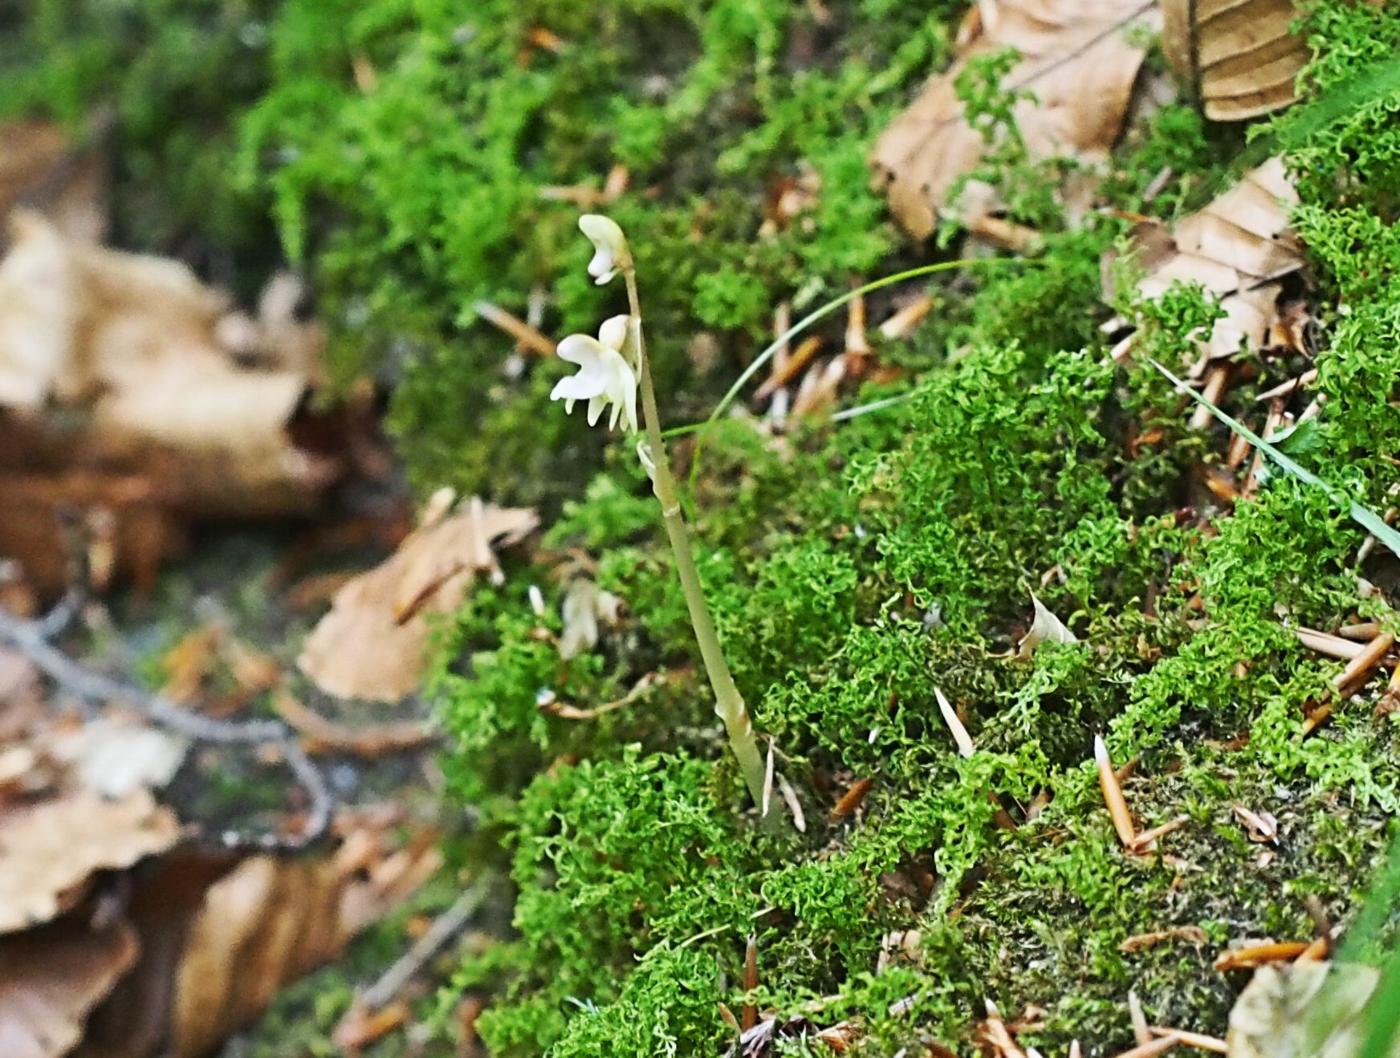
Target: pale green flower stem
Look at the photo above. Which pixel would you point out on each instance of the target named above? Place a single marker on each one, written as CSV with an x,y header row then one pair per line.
x,y
729,704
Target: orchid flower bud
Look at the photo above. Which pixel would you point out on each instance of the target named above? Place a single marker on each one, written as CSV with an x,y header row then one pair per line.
x,y
610,251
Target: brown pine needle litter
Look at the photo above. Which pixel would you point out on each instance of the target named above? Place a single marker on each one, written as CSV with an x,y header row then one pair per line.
x,y
851,799
1256,955
1160,1045
1199,1040
1361,667
1113,795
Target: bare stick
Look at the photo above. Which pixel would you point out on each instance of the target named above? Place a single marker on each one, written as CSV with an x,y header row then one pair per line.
x,y
446,926
31,638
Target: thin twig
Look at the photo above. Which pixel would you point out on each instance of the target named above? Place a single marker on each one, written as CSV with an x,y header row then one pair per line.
x,y
31,638
446,926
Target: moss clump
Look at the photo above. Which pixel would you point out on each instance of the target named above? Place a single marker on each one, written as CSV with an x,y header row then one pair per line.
x,y
856,571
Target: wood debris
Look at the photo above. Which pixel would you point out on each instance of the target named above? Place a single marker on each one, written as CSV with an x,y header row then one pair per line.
x,y
1142,941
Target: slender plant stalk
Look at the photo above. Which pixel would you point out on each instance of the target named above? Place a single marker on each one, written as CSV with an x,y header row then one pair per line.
x,y
729,704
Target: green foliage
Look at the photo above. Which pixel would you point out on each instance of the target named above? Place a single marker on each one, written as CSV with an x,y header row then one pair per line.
x,y
410,147
171,78
439,176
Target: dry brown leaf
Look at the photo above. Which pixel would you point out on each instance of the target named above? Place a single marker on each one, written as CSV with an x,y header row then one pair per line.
x,y
1283,1006
134,339
51,977
266,923
1079,58
220,935
115,756
48,850
371,644
41,168
1238,55
1045,628
1236,248
161,422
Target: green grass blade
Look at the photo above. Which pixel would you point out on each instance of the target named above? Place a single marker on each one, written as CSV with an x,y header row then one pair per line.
x,y
826,309
1366,518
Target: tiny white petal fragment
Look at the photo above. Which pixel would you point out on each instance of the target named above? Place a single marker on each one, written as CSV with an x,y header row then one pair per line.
x,y
1046,628
610,251
536,600
950,717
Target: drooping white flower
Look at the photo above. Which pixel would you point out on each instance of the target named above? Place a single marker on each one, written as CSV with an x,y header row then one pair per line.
x,y
604,377
610,250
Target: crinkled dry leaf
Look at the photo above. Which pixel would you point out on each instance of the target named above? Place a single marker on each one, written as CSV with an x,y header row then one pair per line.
x,y
115,757
371,644
266,923
136,339
1239,56
1079,58
1277,1015
1235,248
48,850
161,423
51,977
1046,627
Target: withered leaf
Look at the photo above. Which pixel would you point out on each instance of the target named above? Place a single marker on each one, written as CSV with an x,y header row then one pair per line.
x,y
1236,247
1283,1005
371,644
48,850
1079,59
1240,56
1045,628
51,977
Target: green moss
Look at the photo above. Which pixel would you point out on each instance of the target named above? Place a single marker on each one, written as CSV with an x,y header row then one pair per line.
x,y
857,571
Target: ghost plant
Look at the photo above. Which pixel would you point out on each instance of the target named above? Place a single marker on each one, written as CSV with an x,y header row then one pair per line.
x,y
611,367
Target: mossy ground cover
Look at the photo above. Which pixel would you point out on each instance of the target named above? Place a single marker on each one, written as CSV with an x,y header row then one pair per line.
x,y
855,569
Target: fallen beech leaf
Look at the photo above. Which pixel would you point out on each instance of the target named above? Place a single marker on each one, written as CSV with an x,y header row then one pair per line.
x,y
51,977
1045,628
264,924
1079,58
371,644
1238,55
161,423
1235,248
1283,1006
48,850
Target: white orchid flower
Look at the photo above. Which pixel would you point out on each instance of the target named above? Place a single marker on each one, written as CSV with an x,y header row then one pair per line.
x,y
604,377
610,251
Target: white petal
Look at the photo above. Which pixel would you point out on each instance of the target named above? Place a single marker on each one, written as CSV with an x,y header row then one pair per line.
x,y
613,333
583,386
595,409
581,349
